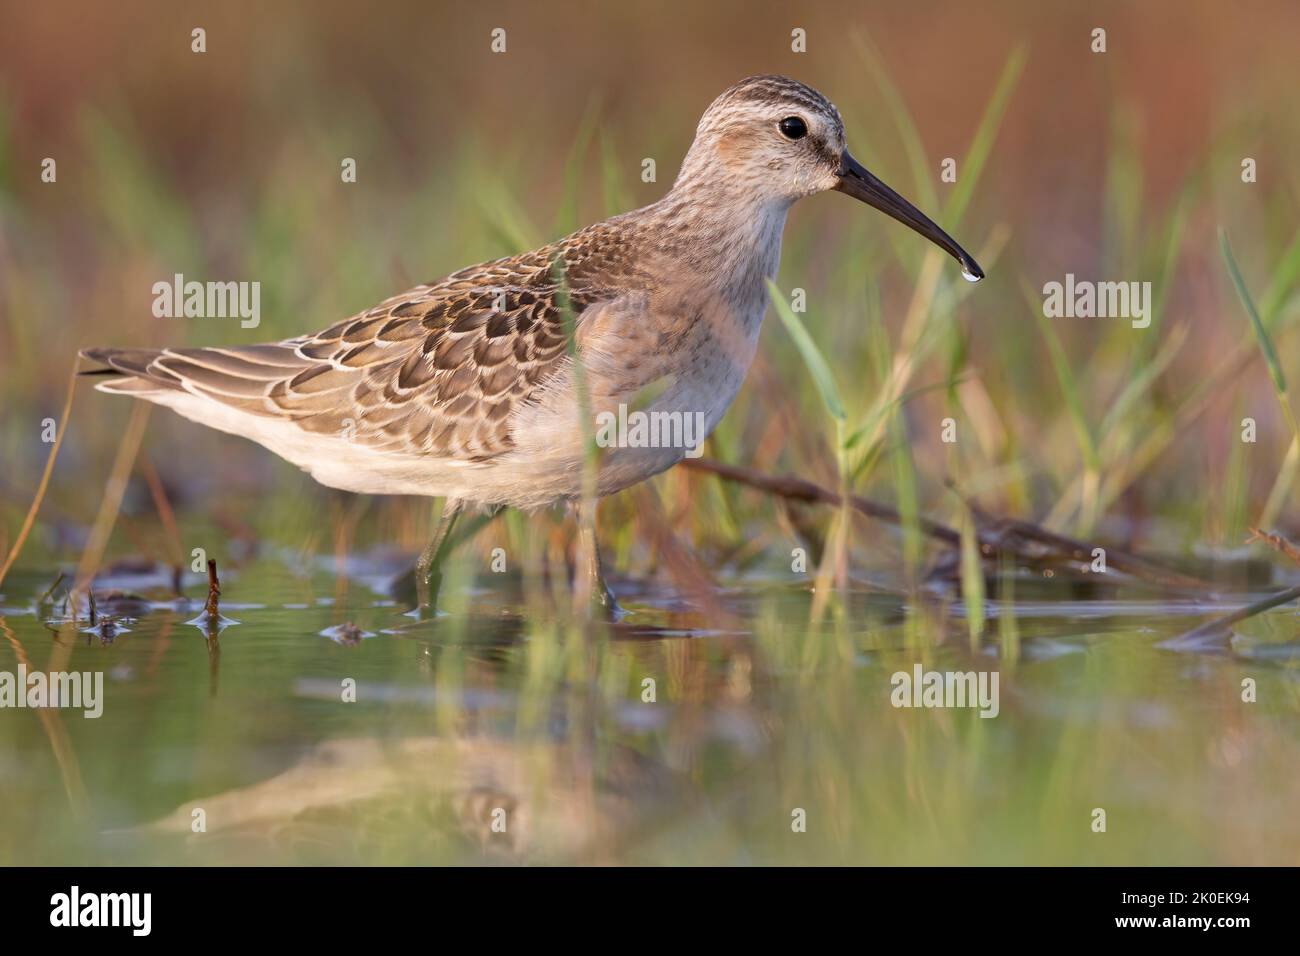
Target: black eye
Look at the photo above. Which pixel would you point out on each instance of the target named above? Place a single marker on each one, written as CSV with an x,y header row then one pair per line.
x,y
792,127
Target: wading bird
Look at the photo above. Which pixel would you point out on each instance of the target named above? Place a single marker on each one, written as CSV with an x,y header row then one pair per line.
x,y
482,388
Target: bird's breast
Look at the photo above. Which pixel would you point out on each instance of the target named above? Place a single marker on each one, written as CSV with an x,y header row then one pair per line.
x,y
660,366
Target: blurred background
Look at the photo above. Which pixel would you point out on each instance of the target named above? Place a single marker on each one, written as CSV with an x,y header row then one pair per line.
x,y
1119,166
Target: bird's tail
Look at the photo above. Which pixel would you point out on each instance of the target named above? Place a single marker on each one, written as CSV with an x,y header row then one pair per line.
x,y
130,371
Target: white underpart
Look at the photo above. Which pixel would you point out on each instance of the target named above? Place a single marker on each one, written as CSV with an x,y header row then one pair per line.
x,y
330,459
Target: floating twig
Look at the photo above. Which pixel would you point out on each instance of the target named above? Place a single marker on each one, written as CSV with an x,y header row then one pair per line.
x,y
997,536
50,591
212,608
349,634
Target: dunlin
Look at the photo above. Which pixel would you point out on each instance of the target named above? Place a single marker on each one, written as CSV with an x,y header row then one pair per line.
x,y
469,388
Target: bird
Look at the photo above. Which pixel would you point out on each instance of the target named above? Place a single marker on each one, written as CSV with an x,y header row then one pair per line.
x,y
482,388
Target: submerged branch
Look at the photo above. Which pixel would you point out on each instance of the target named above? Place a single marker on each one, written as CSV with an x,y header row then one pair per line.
x,y
997,536
1212,631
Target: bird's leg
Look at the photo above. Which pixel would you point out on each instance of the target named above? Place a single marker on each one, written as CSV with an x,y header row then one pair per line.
x,y
597,592
428,569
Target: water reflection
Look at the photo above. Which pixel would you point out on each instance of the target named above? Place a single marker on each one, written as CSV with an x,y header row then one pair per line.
x,y
340,730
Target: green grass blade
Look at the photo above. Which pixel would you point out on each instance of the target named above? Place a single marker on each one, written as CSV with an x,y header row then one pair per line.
x,y
1143,380
968,175
812,355
504,218
873,418
1122,193
1284,276
1069,385
972,576
1261,333
907,495
566,219
916,155
613,191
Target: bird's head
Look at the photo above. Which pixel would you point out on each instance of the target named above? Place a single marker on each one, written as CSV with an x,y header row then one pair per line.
x,y
776,140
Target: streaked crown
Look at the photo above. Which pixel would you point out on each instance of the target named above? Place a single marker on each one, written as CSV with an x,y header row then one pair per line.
x,y
770,136
767,94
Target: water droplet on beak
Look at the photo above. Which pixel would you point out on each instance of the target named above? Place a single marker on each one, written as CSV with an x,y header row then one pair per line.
x,y
969,276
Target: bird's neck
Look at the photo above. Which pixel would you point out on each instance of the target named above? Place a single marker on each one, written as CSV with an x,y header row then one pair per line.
x,y
727,235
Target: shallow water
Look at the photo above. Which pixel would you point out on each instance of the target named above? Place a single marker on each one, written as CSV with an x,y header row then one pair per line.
x,y
537,723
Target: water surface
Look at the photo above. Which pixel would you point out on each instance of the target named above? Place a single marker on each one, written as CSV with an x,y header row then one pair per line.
x,y
768,740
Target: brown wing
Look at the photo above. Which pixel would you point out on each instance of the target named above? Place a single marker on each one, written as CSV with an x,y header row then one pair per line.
x,y
436,370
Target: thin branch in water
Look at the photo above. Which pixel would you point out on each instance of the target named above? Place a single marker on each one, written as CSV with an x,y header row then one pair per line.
x,y
997,536
1276,542
50,590
114,489
1210,633
1003,533
212,608
26,529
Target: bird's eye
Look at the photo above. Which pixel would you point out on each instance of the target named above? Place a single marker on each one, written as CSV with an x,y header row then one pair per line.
x,y
792,127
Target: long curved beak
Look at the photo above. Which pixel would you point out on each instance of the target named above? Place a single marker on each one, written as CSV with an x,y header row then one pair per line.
x,y
858,181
